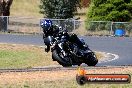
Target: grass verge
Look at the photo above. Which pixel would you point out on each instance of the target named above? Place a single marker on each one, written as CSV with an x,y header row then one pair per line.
x,y
25,56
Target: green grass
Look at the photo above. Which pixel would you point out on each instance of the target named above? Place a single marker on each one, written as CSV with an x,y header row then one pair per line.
x,y
17,59
19,56
24,56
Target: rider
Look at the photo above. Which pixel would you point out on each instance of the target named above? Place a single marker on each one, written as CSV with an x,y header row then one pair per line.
x,y
48,30
52,30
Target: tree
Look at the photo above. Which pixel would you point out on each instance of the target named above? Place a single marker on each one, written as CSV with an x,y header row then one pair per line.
x,y
5,7
110,10
85,3
59,9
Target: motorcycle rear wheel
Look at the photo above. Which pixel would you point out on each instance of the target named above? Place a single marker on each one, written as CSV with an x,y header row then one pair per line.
x,y
61,61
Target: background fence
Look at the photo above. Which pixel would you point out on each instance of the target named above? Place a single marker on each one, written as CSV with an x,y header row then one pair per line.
x,y
32,25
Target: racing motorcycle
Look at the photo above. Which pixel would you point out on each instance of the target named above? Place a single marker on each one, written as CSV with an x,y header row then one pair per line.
x,y
67,49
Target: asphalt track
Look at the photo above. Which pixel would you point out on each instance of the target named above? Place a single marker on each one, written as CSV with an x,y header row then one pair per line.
x,y
121,46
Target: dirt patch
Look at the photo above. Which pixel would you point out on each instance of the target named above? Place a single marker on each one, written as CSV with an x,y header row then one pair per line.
x,y
12,78
18,47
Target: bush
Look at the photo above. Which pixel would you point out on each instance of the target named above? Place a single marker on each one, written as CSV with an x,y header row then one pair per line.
x,y
110,10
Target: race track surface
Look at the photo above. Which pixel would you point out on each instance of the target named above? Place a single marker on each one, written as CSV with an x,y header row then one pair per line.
x,y
121,46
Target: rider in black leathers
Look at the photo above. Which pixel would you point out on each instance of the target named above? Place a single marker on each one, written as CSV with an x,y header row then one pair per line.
x,y
48,30
54,30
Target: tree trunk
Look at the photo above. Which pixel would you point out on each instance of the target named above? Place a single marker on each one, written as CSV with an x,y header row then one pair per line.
x,y
1,14
4,11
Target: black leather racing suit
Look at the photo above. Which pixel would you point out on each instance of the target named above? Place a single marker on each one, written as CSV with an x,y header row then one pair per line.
x,y
52,31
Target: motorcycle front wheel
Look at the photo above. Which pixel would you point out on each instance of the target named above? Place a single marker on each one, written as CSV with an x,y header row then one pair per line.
x,y
91,59
65,62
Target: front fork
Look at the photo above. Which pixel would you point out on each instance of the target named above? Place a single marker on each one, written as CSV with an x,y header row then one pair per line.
x,y
61,46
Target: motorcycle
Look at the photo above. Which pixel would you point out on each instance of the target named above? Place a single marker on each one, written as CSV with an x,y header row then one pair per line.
x,y
67,49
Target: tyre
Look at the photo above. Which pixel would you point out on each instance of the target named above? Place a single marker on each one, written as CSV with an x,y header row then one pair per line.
x,y
65,62
91,59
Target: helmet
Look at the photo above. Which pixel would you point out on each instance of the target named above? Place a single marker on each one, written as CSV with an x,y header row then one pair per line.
x,y
46,24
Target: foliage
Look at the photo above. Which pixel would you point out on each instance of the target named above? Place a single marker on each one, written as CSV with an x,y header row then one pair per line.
x,y
61,9
110,10
98,26
85,3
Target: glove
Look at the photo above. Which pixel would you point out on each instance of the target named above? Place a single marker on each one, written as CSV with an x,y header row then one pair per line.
x,y
47,49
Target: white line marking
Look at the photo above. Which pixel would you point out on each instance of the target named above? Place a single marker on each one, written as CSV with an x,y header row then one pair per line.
x,y
108,59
